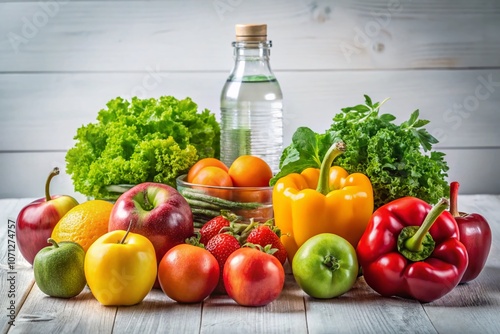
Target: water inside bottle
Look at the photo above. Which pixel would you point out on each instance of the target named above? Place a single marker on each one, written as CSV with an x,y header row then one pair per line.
x,y
252,120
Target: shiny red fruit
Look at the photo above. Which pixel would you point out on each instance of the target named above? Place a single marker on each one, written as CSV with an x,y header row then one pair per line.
x,y
253,277
156,211
188,274
475,234
35,222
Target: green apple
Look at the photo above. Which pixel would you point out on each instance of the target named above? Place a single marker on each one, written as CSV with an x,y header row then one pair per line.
x,y
58,269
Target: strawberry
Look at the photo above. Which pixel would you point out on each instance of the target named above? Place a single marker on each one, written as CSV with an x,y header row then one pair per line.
x,y
264,235
215,226
221,246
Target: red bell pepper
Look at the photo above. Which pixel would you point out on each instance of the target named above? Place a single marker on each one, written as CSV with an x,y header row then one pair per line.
x,y
412,250
475,234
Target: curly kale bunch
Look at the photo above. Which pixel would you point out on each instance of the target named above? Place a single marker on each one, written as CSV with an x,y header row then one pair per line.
x,y
141,140
398,159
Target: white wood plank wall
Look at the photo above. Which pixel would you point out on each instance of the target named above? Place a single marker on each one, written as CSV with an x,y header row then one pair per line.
x,y
61,61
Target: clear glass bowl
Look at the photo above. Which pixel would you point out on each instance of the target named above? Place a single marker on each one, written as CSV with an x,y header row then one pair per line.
x,y
246,202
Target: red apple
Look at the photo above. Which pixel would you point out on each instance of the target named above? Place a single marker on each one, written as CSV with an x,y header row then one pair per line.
x,y
475,234
157,211
36,220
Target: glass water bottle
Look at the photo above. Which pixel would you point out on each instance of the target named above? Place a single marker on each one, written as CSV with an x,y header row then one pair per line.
x,y
252,101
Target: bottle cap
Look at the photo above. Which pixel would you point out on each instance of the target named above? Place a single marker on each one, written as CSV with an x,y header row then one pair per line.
x,y
251,32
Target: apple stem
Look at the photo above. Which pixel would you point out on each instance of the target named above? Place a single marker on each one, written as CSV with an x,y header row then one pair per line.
x,y
54,172
147,205
454,199
53,242
126,233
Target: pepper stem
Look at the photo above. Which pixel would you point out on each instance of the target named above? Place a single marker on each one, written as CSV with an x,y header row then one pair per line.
x,y
415,242
454,199
334,151
54,172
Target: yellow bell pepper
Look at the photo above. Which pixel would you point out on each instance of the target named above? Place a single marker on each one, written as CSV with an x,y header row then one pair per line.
x,y
325,200
120,268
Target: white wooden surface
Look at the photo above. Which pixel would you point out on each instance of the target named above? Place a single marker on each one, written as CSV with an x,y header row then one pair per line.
x,y
469,308
61,61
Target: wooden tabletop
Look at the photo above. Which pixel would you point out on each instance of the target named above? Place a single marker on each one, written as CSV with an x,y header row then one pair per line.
x,y
470,308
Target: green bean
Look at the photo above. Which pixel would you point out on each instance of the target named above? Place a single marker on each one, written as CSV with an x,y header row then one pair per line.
x,y
201,217
201,204
205,212
198,223
223,203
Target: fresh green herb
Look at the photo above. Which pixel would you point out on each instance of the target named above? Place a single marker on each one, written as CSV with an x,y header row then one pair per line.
x,y
398,159
141,140
307,150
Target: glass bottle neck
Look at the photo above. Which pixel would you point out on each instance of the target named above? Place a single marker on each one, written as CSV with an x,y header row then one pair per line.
x,y
250,50
252,61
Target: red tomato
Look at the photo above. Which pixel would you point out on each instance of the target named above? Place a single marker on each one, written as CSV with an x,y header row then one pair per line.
x,y
188,274
250,171
252,277
202,164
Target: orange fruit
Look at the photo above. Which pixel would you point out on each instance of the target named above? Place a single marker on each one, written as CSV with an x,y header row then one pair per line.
x,y
216,177
250,171
213,176
84,223
202,164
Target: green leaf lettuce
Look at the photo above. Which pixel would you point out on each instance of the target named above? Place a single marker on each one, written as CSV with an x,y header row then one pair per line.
x,y
141,140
